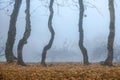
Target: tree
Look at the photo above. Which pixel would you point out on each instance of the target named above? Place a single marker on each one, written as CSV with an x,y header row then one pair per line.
x,y
99,52
48,46
26,34
111,36
1,47
12,32
81,33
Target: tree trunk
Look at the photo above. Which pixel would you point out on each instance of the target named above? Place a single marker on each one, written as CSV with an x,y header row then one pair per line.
x,y
12,32
48,46
23,41
111,36
81,33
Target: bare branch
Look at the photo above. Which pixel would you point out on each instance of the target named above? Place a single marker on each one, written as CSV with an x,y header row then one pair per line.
x,y
88,4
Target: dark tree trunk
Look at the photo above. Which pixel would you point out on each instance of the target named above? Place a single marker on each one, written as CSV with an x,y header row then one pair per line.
x,y
12,32
111,36
48,46
81,33
23,41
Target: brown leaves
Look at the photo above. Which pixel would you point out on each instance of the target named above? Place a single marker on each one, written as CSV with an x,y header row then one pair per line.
x,y
59,71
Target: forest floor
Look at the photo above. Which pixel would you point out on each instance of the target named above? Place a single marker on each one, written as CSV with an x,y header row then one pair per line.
x,y
59,71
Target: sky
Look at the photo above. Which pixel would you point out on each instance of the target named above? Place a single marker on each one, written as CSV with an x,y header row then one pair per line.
x,y
65,23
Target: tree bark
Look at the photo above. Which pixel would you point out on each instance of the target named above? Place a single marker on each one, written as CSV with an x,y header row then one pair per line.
x,y
81,33
111,36
12,32
48,46
23,41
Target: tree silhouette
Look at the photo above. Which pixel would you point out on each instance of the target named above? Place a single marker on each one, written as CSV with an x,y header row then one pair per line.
x,y
26,34
12,32
111,36
48,46
81,33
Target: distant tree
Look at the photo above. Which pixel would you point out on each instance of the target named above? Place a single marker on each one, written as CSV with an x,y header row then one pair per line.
x,y
1,47
1,50
100,52
111,36
117,55
12,32
26,34
48,46
81,33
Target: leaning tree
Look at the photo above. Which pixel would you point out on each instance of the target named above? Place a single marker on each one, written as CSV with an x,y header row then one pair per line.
x,y
49,45
23,41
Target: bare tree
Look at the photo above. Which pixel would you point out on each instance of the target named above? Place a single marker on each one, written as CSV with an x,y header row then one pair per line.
x,y
81,33
111,36
26,34
12,32
1,47
48,46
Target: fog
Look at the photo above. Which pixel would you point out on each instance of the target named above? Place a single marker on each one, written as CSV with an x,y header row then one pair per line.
x,y
65,23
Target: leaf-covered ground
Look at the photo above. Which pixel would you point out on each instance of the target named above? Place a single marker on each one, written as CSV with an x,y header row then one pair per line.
x,y
59,71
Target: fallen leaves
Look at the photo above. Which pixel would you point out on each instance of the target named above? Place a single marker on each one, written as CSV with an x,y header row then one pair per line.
x,y
59,71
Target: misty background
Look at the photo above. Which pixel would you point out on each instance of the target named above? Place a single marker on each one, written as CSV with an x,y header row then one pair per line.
x,y
65,23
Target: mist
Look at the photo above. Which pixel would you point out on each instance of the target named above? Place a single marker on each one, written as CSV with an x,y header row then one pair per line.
x,y
65,23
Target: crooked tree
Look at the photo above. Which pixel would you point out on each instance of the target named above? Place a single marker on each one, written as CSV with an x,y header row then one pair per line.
x,y
111,35
12,32
26,35
81,33
48,46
